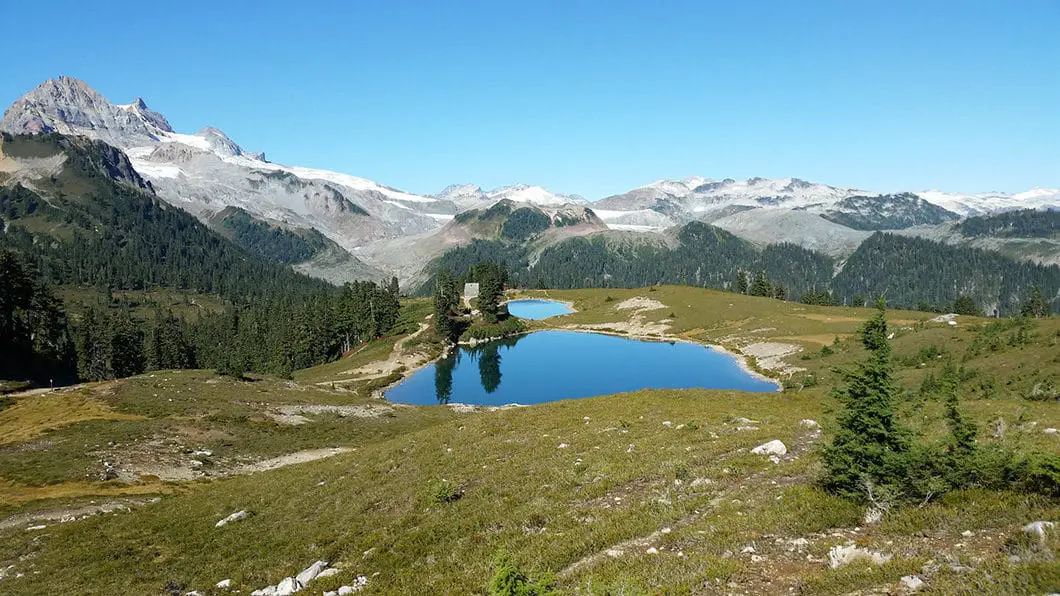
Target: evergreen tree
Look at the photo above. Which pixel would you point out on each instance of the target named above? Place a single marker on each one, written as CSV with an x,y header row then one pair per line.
x,y
962,446
761,285
446,299
491,279
1035,306
126,346
741,282
93,346
869,443
965,305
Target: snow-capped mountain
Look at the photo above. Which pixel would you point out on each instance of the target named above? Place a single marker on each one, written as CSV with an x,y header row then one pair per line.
x,y
677,201
469,196
986,203
207,171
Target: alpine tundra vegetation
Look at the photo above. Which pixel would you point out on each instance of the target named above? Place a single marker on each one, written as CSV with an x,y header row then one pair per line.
x,y
231,371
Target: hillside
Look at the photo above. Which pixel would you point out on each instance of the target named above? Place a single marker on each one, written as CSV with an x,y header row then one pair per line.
x,y
632,493
79,209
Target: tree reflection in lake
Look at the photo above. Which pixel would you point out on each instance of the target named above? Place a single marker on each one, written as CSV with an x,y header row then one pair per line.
x,y
488,356
443,376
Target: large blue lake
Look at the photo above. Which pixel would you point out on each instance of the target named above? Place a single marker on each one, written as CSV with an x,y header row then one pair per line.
x,y
553,365
538,309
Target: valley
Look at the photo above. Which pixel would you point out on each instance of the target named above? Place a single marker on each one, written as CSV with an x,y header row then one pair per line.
x,y
223,374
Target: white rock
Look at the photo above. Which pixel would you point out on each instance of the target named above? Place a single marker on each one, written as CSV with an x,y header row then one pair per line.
x,y
774,459
746,428
967,533
330,571
947,318
35,528
747,549
743,421
1050,431
700,482
951,323
807,423
193,593
1038,528
652,551
667,423
841,555
773,447
310,573
562,446
757,558
331,593
614,553
224,584
205,452
912,582
288,586
238,515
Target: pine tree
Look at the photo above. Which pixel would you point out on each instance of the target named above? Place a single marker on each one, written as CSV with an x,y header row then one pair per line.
x,y
962,446
741,282
1035,306
93,346
491,290
126,346
445,302
761,285
868,445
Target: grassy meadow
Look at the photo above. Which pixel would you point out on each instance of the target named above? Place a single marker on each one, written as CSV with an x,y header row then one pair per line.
x,y
652,492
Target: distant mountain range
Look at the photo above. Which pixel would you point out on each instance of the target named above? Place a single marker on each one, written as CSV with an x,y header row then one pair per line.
x,y
373,230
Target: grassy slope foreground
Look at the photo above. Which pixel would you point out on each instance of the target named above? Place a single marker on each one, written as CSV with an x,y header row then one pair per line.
x,y
648,492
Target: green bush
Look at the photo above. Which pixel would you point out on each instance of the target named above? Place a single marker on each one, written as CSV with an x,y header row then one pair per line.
x,y
446,492
509,326
509,580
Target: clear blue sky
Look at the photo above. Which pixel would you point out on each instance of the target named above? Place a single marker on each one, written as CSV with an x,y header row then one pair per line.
x,y
592,98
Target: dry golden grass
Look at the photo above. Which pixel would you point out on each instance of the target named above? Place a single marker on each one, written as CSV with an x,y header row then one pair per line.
x,y
34,415
14,494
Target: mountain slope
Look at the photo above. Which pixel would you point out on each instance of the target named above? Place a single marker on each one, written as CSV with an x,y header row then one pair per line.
x,y
206,172
79,209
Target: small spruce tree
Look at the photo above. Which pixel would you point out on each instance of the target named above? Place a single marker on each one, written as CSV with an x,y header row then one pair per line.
x,y
869,442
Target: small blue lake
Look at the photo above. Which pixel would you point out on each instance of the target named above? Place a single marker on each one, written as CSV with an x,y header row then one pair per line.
x,y
552,365
538,309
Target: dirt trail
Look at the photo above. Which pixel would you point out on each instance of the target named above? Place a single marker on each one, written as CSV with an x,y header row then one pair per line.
x,y
398,359
69,514
298,457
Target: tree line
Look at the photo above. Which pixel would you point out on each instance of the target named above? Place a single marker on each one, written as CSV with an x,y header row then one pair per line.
x,y
40,342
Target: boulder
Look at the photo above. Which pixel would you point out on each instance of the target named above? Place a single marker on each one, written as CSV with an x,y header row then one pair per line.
x,y
1038,528
912,583
807,423
238,515
773,447
847,553
310,573
224,584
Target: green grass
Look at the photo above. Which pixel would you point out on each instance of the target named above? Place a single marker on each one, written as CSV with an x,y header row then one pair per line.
x,y
622,478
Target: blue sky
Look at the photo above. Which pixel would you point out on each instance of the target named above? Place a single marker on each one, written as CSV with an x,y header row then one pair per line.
x,y
591,98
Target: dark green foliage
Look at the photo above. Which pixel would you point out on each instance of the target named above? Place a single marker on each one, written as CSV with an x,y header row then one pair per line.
x,y
741,285
912,270
761,285
706,257
869,445
126,346
270,241
446,302
491,279
524,223
1035,306
35,342
509,580
1026,223
965,305
819,297
168,345
507,327
106,228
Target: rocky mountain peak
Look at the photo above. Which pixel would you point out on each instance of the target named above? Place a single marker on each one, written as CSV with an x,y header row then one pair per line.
x,y
68,105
